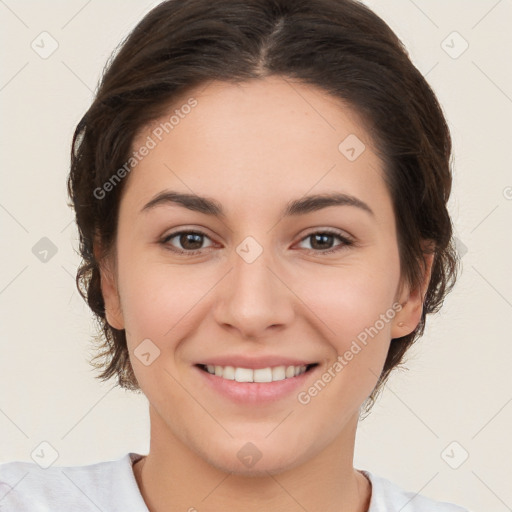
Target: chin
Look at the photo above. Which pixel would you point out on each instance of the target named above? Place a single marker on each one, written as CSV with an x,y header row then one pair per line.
x,y
252,459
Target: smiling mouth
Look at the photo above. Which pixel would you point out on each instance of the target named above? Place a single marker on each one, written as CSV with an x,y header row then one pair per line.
x,y
268,374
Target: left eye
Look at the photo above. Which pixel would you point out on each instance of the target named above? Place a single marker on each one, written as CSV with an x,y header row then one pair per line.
x,y
322,241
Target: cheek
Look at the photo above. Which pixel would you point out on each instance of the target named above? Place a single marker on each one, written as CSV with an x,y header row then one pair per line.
x,y
354,309
158,303
164,303
355,316
349,300
155,299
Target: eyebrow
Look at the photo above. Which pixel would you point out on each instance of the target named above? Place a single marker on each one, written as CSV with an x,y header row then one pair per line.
x,y
300,206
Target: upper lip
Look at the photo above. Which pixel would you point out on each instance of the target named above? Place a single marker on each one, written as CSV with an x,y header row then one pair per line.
x,y
239,361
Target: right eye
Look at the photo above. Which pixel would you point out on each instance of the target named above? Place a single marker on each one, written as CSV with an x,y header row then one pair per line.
x,y
190,241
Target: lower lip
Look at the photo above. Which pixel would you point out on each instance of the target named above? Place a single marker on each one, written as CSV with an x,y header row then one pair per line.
x,y
256,392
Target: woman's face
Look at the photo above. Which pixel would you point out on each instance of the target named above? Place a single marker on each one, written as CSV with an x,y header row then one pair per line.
x,y
269,280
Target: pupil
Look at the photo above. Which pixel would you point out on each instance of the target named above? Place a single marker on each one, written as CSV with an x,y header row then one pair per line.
x,y
186,237
323,237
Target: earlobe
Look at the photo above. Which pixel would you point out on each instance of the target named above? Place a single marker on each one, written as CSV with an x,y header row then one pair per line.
x,y
109,290
411,302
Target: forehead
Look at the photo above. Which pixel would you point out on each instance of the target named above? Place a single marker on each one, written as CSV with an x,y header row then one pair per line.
x,y
273,105
266,138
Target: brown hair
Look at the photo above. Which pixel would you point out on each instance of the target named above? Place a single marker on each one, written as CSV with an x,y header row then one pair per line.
x,y
338,45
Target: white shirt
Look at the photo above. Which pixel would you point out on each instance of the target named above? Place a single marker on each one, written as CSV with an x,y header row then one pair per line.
x,y
111,487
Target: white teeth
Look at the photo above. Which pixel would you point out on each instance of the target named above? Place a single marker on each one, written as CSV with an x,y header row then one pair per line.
x,y
290,372
268,374
263,375
228,373
278,373
244,375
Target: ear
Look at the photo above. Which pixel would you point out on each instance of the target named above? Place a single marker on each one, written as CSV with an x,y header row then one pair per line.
x,y
109,288
411,300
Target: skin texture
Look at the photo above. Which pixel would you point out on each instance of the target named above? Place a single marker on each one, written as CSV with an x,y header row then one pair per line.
x,y
253,147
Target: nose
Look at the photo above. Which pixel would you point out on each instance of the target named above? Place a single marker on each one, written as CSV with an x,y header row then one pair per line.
x,y
253,298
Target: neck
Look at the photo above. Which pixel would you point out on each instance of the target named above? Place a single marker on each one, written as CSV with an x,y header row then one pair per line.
x,y
172,478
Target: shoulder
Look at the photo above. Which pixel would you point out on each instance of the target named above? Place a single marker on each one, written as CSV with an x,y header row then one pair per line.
x,y
389,497
108,486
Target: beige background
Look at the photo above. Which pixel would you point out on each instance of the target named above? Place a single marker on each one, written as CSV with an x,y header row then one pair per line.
x,y
458,387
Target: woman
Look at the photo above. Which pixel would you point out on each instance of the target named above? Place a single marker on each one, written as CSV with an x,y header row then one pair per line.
x,y
260,188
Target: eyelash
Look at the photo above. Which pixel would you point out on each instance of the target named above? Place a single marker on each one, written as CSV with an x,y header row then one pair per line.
x,y
346,242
